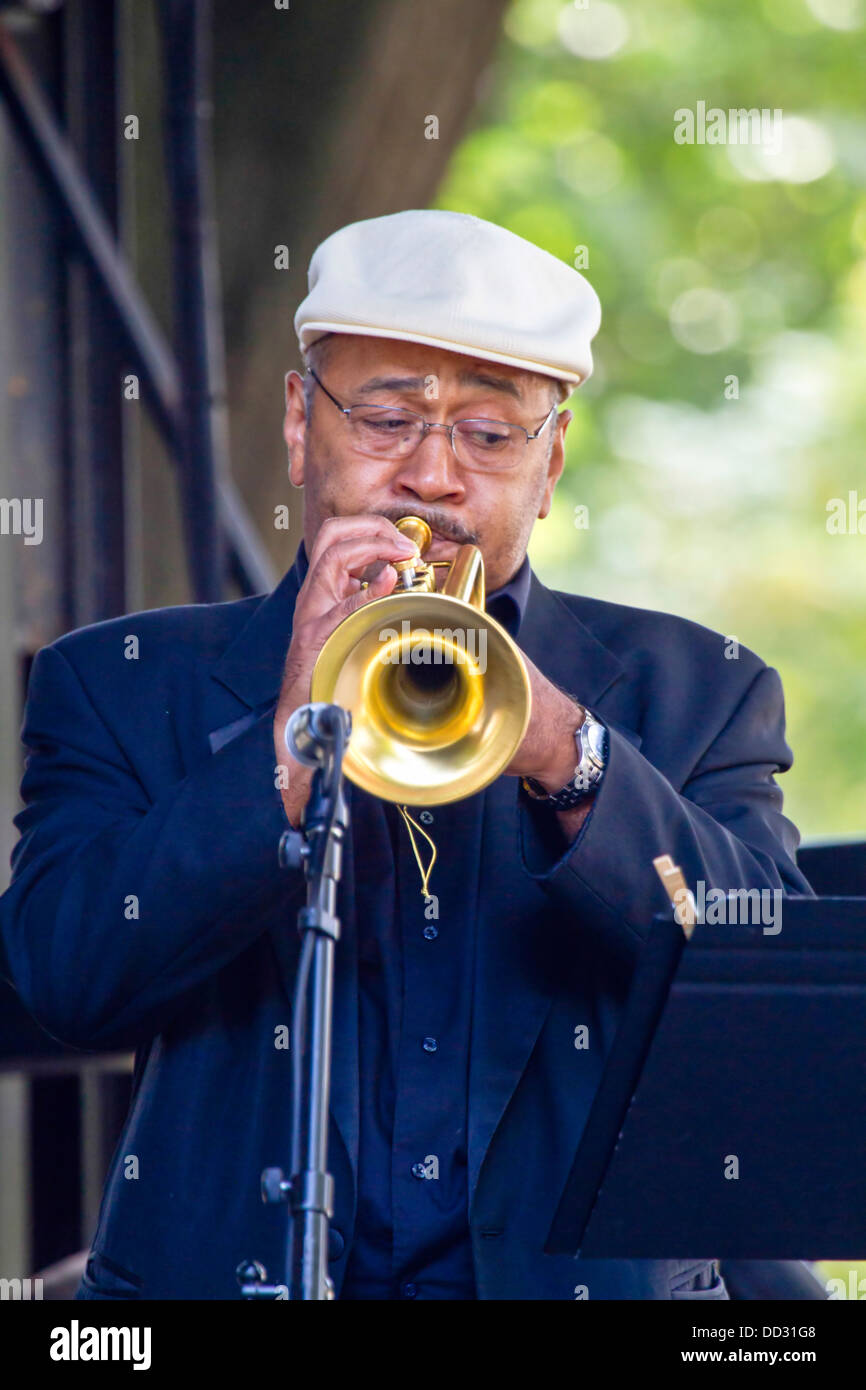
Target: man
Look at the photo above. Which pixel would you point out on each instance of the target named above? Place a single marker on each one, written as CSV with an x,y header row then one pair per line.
x,y
147,907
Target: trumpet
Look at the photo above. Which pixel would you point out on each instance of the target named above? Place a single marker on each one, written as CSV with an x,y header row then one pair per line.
x,y
438,692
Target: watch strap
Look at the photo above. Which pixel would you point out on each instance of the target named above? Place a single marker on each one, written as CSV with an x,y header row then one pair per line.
x,y
591,742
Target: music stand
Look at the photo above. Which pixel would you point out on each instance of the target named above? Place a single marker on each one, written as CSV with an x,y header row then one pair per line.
x,y
730,1121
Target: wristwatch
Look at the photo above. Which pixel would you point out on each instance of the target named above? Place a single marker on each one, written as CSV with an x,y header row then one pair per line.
x,y
591,741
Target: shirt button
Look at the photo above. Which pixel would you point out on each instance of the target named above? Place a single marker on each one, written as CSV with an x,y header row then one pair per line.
x,y
409,1290
430,1045
418,1170
430,932
336,1243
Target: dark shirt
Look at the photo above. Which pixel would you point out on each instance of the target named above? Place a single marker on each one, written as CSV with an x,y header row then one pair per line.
x,y
415,964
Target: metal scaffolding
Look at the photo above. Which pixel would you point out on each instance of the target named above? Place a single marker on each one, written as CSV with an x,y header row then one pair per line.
x,y
111,332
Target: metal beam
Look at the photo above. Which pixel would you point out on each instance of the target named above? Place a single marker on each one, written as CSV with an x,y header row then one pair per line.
x,y
198,341
94,438
53,158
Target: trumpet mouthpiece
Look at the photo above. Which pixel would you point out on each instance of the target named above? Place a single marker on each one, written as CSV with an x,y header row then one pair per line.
x,y
414,529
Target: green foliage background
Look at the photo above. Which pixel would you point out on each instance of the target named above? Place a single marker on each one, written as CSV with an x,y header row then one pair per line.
x,y
710,262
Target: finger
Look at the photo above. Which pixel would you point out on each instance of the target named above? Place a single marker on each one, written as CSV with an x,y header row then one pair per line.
x,y
384,583
311,635
346,529
337,574
337,528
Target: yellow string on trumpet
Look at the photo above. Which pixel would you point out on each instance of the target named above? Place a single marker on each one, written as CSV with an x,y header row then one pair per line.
x,y
425,873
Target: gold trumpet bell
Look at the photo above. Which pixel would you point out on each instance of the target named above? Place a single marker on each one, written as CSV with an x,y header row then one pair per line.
x,y
438,692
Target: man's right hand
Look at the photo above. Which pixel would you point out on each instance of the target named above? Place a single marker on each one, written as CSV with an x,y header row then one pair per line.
x,y
347,549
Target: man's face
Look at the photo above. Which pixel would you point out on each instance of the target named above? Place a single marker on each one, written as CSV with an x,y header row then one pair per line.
x,y
495,511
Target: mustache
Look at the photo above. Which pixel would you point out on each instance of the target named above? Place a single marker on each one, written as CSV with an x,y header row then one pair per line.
x,y
440,523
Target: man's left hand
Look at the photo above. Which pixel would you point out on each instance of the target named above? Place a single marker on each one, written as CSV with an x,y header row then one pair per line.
x,y
548,751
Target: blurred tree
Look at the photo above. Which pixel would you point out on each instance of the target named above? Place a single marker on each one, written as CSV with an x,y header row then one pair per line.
x,y
726,410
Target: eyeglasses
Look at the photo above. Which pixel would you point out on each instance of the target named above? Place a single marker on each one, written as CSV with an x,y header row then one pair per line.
x,y
386,431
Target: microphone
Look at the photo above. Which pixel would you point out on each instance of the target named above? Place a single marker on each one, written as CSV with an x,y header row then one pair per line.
x,y
312,731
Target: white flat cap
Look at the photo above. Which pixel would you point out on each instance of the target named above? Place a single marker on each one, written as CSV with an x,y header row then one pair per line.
x,y
455,282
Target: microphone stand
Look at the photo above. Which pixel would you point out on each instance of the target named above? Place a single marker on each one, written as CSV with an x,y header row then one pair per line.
x,y
317,735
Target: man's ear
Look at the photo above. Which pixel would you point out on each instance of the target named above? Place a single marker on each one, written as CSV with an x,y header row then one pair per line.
x,y
556,462
295,426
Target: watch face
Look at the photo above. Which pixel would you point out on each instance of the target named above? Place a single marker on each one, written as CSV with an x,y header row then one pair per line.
x,y
596,738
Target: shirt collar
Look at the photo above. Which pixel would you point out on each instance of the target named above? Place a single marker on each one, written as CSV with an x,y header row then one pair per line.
x,y
506,604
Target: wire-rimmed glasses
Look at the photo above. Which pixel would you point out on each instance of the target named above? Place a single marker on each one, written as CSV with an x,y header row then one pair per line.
x,y
390,432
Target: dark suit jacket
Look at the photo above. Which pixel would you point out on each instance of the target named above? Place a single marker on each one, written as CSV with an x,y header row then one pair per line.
x,y
147,909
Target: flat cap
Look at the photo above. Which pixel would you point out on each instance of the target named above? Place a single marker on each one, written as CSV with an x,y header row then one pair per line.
x,y
455,282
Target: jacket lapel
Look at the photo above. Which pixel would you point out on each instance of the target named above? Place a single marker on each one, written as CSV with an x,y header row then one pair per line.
x,y
514,982
251,666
